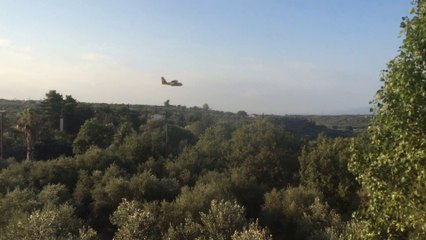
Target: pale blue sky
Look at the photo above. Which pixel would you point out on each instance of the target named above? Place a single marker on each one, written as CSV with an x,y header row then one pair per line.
x,y
269,56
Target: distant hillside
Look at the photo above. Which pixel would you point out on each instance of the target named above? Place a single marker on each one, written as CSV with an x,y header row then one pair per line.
x,y
306,126
355,123
14,106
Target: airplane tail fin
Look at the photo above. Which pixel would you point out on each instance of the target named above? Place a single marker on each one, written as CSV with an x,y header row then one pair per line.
x,y
163,81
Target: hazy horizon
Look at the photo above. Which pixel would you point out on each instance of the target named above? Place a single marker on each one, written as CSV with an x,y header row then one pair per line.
x,y
354,111
275,57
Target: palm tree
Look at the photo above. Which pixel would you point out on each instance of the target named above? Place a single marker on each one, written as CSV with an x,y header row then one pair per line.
x,y
27,123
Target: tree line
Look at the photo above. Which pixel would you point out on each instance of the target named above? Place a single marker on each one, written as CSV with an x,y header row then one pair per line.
x,y
218,177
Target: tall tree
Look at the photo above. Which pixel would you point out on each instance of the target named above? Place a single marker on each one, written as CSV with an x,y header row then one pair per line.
x,y
27,123
69,114
52,107
394,170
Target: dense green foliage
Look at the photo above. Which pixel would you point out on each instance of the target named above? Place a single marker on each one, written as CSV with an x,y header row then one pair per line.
x,y
324,166
183,174
393,170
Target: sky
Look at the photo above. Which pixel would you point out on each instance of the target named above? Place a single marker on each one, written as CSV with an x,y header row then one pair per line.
x,y
260,56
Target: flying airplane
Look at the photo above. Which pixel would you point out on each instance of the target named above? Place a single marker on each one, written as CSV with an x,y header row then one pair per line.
x,y
173,83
